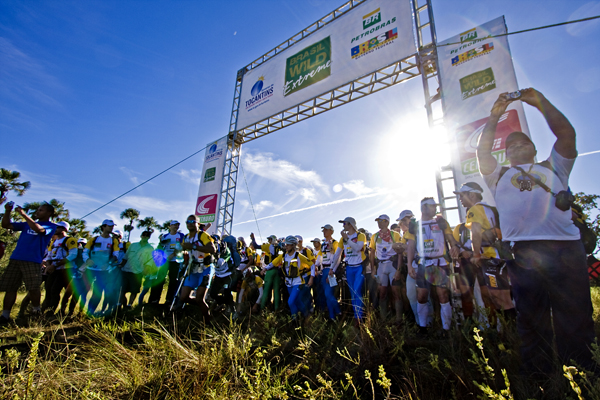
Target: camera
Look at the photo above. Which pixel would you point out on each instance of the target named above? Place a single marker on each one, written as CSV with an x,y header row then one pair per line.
x,y
564,200
512,96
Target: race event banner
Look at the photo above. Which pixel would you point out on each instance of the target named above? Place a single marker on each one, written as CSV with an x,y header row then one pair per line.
x,y
371,36
474,70
209,192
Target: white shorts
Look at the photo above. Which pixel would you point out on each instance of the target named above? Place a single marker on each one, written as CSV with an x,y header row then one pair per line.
x,y
386,272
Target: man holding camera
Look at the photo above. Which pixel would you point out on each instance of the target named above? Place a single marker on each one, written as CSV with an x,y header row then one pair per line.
x,y
549,273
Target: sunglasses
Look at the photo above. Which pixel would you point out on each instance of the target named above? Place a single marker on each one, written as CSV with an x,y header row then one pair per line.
x,y
191,221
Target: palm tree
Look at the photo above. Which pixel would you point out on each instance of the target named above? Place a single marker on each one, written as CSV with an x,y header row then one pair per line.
x,y
148,223
78,228
8,182
61,213
132,215
165,226
97,231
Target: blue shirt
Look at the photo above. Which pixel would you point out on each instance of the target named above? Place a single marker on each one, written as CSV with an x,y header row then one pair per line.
x,y
32,245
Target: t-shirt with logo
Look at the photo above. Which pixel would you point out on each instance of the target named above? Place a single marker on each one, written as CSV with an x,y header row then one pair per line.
x,y
327,251
58,252
353,257
431,242
169,242
383,249
104,251
246,254
31,245
531,215
139,259
196,256
485,217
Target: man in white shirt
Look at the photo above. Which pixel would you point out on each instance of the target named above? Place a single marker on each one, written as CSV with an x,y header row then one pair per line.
x,y
549,275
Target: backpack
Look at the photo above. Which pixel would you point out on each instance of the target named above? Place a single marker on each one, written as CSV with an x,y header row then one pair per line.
x,y
236,258
294,271
394,258
545,164
92,242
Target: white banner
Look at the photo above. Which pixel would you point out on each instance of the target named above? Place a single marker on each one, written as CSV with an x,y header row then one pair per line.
x,y
209,192
473,72
373,35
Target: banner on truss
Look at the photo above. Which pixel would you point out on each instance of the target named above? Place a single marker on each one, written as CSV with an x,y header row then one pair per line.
x,y
209,192
474,69
369,37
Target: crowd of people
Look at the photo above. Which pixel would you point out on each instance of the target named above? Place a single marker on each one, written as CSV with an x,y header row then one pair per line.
x,y
525,255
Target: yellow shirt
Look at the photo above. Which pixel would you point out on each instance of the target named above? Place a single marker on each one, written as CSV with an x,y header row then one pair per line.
x,y
327,256
383,250
477,214
353,257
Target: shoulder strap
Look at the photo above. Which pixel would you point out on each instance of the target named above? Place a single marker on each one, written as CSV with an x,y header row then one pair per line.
x,y
503,170
536,180
496,215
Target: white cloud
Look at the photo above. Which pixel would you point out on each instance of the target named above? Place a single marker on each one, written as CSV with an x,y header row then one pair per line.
x,y
282,172
357,187
190,175
262,205
131,174
149,204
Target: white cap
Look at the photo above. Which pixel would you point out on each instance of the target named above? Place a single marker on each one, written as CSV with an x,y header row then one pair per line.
x,y
82,240
108,222
383,217
429,202
117,232
316,240
327,226
469,187
404,214
299,238
349,220
173,222
64,224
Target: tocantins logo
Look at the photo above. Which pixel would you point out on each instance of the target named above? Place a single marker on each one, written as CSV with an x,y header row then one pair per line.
x,y
260,94
214,153
212,148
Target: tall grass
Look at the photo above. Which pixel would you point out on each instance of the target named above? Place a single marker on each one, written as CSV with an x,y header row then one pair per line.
x,y
269,357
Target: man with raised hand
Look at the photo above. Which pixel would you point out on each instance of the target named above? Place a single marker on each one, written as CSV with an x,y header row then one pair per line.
x,y
352,244
25,261
426,246
549,275
384,262
484,226
100,265
201,251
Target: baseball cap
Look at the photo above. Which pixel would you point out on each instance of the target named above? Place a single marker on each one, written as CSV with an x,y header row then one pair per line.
x,y
515,137
272,237
117,232
429,202
327,226
349,220
404,214
469,187
299,238
64,224
82,240
173,222
316,240
108,222
384,217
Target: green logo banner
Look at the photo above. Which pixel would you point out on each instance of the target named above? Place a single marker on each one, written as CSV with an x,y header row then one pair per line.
x,y
308,66
209,175
477,83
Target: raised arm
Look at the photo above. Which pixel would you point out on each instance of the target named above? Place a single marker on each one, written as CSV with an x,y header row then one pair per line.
x,y
487,162
558,123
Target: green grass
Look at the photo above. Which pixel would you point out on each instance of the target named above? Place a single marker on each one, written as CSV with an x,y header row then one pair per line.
x,y
267,357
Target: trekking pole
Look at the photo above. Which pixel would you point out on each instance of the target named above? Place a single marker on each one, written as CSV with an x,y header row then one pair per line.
x,y
182,279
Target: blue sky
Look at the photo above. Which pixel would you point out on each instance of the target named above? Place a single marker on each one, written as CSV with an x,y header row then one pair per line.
x,y
96,97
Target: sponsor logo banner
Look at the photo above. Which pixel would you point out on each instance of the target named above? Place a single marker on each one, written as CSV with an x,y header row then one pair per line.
x,y
308,66
475,68
370,36
477,83
209,192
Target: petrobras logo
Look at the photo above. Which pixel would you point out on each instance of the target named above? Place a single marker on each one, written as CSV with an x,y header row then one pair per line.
x,y
472,54
206,208
373,44
468,35
372,18
260,94
214,153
